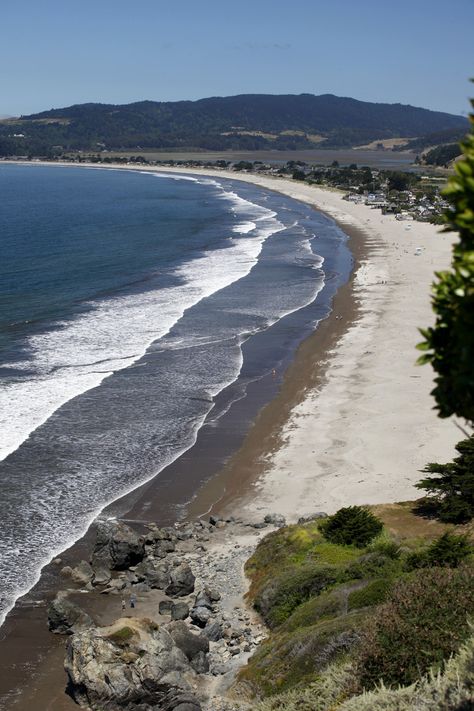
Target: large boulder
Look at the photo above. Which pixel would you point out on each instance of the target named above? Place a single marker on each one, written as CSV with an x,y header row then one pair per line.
x,y
181,581
213,630
160,534
130,665
102,575
153,572
203,599
200,616
275,519
64,617
117,546
191,644
179,610
82,573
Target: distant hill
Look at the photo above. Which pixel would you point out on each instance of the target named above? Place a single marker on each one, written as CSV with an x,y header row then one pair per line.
x,y
437,138
245,122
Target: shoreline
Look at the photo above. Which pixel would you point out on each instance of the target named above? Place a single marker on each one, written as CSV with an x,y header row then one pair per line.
x,y
256,479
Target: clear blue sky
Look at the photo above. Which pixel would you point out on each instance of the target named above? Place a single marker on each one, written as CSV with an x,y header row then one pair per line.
x,y
55,53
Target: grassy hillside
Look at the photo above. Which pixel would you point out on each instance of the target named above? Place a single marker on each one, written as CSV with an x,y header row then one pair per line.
x,y
342,617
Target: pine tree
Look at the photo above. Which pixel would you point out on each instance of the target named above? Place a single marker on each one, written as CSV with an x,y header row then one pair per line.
x,y
452,490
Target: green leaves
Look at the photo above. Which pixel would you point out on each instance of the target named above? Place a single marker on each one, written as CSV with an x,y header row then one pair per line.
x,y
449,345
352,525
451,490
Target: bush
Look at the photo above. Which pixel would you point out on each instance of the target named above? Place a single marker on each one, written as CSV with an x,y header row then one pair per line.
x,y
281,595
448,550
386,547
371,565
424,621
353,525
286,661
372,594
122,636
327,605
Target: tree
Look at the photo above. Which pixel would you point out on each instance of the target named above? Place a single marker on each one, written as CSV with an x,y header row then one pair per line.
x,y
352,525
449,344
451,492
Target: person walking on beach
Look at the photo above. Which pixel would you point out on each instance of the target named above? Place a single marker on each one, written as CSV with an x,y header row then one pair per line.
x,y
133,601
124,604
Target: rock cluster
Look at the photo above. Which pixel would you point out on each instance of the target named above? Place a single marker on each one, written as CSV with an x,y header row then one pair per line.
x,y
130,665
199,629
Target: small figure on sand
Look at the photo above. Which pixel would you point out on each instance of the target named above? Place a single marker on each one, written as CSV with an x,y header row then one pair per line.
x,y
133,601
124,604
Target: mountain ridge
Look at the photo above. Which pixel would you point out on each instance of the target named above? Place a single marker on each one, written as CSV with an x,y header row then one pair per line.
x,y
243,121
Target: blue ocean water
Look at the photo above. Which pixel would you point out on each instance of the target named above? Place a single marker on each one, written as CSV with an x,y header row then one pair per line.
x,y
125,302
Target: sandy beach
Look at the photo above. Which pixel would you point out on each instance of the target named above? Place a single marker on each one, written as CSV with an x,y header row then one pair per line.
x,y
353,421
363,433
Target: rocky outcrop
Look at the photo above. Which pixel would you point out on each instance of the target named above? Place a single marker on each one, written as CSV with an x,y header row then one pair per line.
x,y
174,574
117,547
155,573
131,665
182,581
64,617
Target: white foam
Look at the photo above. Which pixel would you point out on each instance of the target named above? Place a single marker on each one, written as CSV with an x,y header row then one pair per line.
x,y
78,355
245,228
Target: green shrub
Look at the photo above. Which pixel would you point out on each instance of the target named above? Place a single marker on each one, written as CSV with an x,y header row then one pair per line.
x,y
448,550
372,594
353,525
326,605
122,636
370,565
281,595
285,661
321,695
453,690
386,546
423,622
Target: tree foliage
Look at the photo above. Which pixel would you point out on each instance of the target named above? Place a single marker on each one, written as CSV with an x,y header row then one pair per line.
x,y
449,550
449,344
451,492
352,525
442,155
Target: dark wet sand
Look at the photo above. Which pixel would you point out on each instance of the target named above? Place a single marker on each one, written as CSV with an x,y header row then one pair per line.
x,y
222,470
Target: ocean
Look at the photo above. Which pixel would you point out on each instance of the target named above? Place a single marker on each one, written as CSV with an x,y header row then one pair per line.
x,y
132,307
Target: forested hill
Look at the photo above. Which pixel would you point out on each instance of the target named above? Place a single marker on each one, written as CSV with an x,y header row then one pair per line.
x,y
248,121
